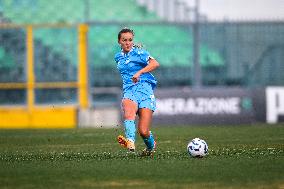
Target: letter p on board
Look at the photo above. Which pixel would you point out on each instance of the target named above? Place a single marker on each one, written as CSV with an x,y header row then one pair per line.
x,y
274,103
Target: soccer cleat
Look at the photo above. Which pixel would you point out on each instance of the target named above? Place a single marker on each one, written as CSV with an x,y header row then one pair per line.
x,y
126,143
149,152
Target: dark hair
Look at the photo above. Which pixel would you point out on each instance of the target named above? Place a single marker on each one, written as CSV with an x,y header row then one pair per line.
x,y
124,30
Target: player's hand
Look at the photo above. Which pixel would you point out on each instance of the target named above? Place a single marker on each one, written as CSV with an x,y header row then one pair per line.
x,y
135,78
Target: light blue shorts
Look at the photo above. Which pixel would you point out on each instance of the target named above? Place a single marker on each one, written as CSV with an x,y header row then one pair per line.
x,y
142,94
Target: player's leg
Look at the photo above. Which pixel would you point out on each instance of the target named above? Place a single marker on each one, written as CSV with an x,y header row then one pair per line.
x,y
144,124
146,107
129,108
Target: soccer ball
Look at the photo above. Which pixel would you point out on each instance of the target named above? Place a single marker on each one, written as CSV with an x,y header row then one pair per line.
x,y
197,148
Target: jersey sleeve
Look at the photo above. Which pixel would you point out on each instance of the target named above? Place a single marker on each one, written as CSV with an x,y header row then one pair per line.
x,y
144,56
117,57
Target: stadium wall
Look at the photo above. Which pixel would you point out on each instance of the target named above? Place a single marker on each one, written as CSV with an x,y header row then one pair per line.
x,y
179,106
195,106
209,106
175,106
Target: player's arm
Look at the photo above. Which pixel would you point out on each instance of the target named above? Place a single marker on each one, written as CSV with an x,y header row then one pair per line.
x,y
152,65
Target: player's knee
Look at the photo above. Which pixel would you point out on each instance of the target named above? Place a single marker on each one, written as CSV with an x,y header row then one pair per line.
x,y
129,116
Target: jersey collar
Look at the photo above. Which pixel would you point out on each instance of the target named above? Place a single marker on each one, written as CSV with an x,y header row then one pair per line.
x,y
125,54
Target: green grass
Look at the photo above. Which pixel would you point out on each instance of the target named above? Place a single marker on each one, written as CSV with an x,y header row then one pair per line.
x,y
239,157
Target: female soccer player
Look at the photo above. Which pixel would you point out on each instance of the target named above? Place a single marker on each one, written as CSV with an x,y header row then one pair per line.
x,y
135,65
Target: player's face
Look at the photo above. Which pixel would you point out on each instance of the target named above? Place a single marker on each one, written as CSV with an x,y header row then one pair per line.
x,y
126,41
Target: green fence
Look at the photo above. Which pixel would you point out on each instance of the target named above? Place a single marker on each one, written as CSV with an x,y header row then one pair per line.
x,y
253,52
231,53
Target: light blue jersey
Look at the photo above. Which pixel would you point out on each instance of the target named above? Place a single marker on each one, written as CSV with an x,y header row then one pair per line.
x,y
130,63
141,92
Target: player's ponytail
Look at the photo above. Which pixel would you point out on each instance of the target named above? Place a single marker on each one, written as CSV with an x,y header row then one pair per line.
x,y
138,45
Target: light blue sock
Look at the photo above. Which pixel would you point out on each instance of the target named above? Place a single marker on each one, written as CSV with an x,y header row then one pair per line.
x,y
130,129
149,141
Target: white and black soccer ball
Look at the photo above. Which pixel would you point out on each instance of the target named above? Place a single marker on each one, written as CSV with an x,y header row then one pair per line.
x,y
197,148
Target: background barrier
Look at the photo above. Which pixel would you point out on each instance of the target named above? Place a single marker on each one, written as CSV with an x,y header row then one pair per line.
x,y
209,106
43,90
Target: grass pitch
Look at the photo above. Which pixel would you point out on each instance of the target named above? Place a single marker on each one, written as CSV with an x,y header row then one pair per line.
x,y
239,157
